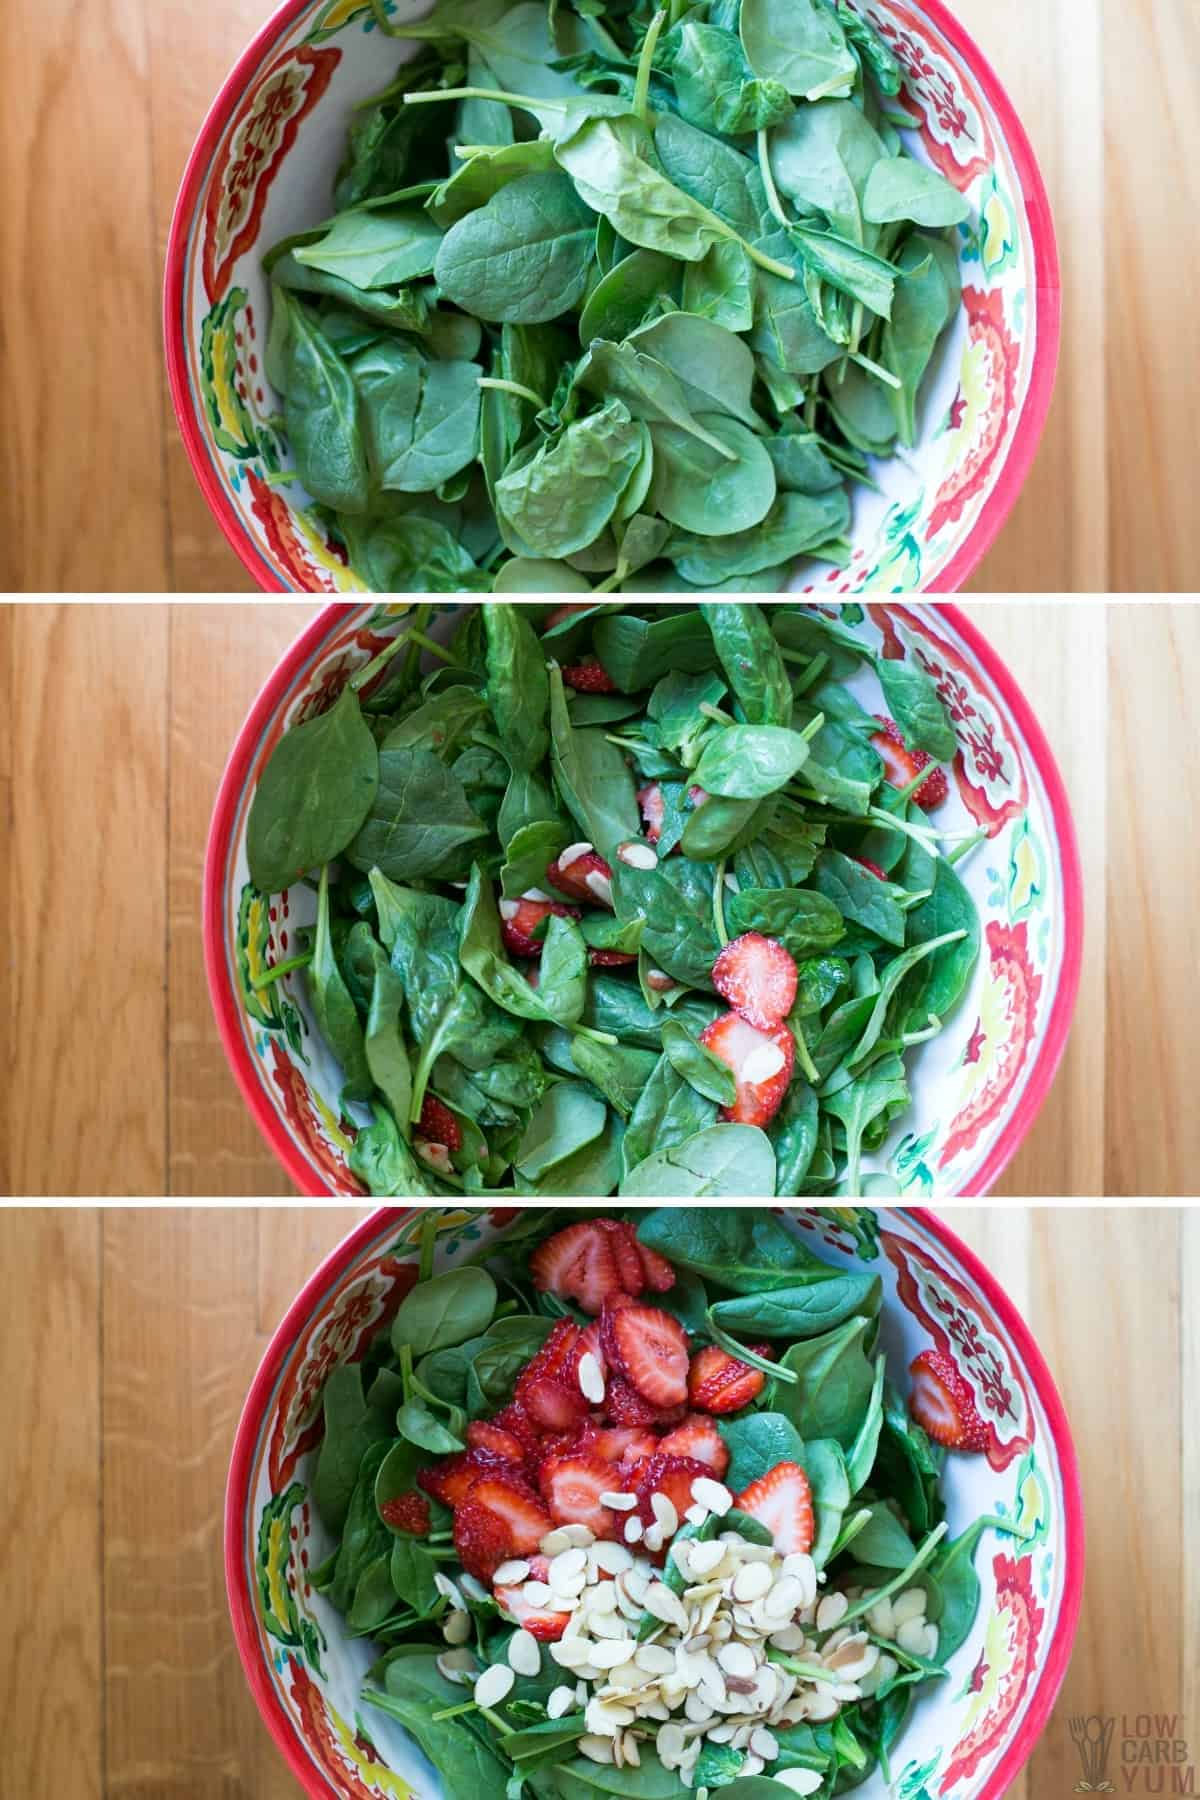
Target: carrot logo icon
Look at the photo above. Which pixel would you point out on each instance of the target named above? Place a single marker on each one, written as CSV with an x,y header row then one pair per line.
x,y
1093,1737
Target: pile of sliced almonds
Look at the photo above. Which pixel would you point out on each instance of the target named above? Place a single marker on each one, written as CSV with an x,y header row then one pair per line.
x,y
704,1673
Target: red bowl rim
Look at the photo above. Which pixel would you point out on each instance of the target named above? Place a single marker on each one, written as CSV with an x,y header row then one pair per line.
x,y
247,1071
1046,283
237,1583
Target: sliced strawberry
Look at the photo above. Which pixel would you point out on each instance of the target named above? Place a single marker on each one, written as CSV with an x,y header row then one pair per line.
x,y
761,1062
438,1125
625,1249
622,1443
407,1512
452,1479
584,876
577,1264
902,765
873,868
518,1508
571,1487
757,977
650,1350
669,1475
610,959
556,1443
660,1276
589,677
942,1403
650,801
483,1434
480,1539
557,1355
552,1405
547,1627
516,1422
625,1406
699,1439
615,1303
719,1383
520,919
782,1501
591,1343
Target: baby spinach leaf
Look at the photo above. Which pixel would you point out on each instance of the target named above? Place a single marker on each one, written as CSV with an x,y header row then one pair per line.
x,y
720,287
805,1311
636,653
379,247
713,366
743,1250
479,179
800,920
593,779
381,1159
798,43
915,704
831,1398
756,1443
320,409
899,187
420,416
421,823
518,689
882,1542
568,1117
351,1428
825,1465
559,996
621,299
386,1052
926,296
860,1458
678,931
467,1765
335,1011
443,1311
793,1133
859,896
619,1070
558,499
724,1161
822,158
747,762
879,1089
523,256
750,657
313,795
706,1073
669,1110
936,985
419,1426
716,87
701,491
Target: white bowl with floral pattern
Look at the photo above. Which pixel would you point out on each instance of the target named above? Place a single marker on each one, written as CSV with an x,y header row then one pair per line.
x,y
976,1087
262,168
967,1738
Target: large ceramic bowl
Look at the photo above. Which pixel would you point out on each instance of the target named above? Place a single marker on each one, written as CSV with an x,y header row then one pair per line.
x,y
968,1738
262,168
976,1087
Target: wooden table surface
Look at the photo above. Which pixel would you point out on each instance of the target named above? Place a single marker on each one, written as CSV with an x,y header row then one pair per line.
x,y
110,752
129,1339
102,104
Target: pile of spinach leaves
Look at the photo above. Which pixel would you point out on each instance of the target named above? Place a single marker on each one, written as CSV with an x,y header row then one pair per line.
x,y
452,1355
613,299
420,801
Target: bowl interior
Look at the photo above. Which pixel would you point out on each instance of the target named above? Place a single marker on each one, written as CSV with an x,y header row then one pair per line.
x,y
975,1087
968,1737
263,168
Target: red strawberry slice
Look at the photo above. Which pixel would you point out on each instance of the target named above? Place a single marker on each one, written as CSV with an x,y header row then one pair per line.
x,y
577,1264
873,868
650,1350
585,876
902,765
518,1508
699,1439
761,1062
669,1475
660,1276
547,1627
615,1303
625,1249
552,1405
480,1540
650,800
407,1512
589,677
625,1406
591,1343
571,1487
520,919
557,1355
438,1125
622,1443
452,1479
610,959
942,1403
557,1443
516,1422
782,1501
487,1435
757,976
719,1383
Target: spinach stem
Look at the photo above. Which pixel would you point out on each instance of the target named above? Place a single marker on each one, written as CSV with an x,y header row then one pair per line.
x,y
369,671
406,1359
815,669
597,1037
876,369
259,982
811,729
719,903
429,1225
768,178
769,263
965,848
807,1066
641,87
707,710
742,1354
434,648
898,1582
512,387
527,101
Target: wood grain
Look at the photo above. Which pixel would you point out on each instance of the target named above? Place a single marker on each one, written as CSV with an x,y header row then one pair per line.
x,y
130,1340
95,488
156,698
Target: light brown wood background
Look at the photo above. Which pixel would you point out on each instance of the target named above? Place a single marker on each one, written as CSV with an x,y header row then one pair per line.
x,y
112,742
103,102
128,1341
